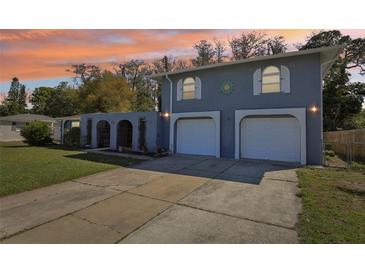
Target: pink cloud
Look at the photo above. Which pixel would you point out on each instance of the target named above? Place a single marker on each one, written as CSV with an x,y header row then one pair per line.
x,y
36,54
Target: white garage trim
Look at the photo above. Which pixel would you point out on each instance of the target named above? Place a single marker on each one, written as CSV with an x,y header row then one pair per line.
x,y
298,113
215,115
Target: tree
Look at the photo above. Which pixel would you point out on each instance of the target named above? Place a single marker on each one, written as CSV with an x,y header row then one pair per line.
x,y
143,100
146,92
354,49
220,50
181,64
247,45
276,45
356,121
205,53
163,65
133,71
355,55
341,99
3,110
62,100
325,39
16,100
40,100
168,64
85,72
108,93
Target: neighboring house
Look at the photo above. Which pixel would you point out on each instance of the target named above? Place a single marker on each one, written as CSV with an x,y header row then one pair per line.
x,y
266,107
10,126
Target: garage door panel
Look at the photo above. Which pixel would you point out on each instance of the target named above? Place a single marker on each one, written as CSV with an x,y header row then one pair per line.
x,y
271,138
196,136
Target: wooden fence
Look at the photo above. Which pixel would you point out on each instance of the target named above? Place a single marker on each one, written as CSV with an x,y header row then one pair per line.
x,y
347,143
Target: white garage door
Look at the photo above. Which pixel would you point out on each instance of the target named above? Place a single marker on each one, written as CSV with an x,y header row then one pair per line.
x,y
196,136
271,139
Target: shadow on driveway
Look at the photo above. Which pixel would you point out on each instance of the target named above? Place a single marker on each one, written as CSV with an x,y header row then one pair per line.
x,y
242,171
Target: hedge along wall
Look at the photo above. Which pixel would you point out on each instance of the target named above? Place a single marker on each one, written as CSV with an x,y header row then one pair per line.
x,y
342,141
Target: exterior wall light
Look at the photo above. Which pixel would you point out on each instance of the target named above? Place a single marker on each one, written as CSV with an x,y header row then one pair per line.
x,y
314,109
166,114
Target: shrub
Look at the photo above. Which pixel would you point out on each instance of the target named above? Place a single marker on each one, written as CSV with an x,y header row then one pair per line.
x,y
355,121
330,153
72,137
37,133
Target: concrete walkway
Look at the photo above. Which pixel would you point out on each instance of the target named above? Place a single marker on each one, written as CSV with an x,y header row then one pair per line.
x,y
179,199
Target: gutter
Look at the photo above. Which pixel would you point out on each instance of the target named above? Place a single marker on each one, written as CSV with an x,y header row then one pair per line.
x,y
325,66
325,69
170,116
167,78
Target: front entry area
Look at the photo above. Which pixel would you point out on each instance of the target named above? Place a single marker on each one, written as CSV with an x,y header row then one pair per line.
x,y
196,136
271,138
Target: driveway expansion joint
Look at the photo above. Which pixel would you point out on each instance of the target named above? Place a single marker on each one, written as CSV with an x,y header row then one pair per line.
x,y
172,203
149,220
87,184
237,217
93,223
57,218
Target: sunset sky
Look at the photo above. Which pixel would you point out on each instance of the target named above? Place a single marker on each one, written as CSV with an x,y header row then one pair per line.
x,y
41,57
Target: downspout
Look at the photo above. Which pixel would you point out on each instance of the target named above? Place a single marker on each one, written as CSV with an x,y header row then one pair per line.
x,y
170,117
323,74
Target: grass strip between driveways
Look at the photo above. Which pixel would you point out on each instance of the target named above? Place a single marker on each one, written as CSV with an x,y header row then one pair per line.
x,y
333,205
24,167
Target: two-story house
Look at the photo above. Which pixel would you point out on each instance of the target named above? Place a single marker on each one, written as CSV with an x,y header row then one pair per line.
x,y
266,108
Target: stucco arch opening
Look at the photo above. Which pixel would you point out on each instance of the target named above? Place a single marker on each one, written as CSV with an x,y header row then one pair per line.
x,y
103,134
124,135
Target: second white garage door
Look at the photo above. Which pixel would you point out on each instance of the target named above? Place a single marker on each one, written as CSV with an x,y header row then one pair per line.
x,y
196,136
271,139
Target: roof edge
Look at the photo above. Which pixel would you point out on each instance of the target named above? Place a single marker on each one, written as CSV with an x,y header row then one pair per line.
x,y
337,49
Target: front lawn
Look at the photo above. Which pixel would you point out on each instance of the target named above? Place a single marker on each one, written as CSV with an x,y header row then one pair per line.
x,y
24,167
333,205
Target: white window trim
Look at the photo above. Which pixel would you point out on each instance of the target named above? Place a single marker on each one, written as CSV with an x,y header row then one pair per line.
x,y
215,115
298,113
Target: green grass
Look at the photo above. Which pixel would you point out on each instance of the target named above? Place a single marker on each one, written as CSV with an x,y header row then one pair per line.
x,y
333,205
24,167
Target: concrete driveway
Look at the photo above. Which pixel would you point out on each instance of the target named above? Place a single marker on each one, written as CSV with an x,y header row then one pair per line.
x,y
179,199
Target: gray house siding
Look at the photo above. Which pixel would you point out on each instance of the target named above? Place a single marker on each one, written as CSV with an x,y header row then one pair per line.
x,y
305,82
152,128
10,132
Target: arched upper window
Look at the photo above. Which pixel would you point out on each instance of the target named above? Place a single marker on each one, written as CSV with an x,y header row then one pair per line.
x,y
188,88
271,79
